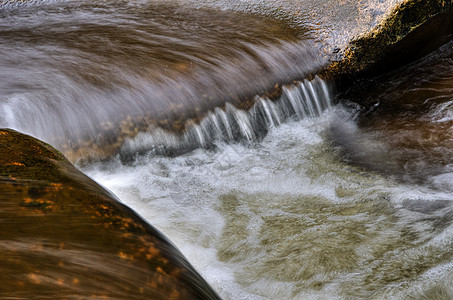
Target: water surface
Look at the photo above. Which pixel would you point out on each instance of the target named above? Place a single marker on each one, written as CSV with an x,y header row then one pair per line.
x,y
86,75
298,198
353,203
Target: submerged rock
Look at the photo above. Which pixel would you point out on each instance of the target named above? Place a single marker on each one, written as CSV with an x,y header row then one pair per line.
x,y
361,39
64,236
92,84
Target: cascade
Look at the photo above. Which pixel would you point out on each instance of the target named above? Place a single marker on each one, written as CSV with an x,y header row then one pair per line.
x,y
305,99
200,117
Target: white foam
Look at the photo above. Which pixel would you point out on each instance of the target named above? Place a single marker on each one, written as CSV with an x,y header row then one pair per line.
x,y
302,100
214,202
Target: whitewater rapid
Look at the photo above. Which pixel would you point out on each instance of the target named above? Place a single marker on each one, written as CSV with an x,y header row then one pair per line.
x,y
285,218
308,195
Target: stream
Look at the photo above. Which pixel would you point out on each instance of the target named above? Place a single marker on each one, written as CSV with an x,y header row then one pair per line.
x,y
313,195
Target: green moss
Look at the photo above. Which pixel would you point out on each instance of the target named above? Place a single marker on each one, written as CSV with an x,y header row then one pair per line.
x,y
366,51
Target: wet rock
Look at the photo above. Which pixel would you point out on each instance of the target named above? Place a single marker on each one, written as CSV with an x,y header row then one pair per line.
x,y
413,29
223,64
64,236
402,127
361,40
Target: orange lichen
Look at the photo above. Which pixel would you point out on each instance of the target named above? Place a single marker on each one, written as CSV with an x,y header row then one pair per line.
x,y
124,255
15,164
103,206
152,252
57,185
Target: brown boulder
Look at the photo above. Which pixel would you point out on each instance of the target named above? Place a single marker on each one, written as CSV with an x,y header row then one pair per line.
x,y
64,236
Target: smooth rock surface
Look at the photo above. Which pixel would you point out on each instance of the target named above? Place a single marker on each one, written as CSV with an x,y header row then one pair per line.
x,y
64,236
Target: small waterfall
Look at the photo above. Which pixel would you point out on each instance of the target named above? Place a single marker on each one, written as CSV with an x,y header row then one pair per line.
x,y
308,98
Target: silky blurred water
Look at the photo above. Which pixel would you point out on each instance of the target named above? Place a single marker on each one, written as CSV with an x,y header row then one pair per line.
x,y
285,218
353,203
308,196
88,74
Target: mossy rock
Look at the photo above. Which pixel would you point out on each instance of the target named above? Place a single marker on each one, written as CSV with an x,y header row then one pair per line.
x,y
414,29
64,236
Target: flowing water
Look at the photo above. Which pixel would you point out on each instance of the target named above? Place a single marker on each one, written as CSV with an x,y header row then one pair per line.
x,y
308,196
